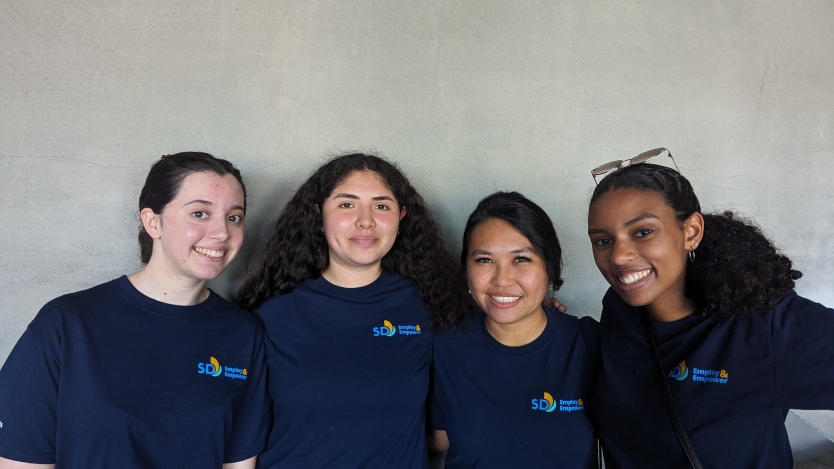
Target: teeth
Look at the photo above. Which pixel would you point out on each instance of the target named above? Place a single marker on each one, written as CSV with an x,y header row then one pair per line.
x,y
210,252
505,299
631,278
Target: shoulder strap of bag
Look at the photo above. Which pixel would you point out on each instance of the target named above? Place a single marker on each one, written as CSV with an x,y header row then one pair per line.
x,y
594,359
670,402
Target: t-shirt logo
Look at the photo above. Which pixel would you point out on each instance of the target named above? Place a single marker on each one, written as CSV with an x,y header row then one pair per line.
x,y
387,329
549,404
680,372
699,375
710,376
213,368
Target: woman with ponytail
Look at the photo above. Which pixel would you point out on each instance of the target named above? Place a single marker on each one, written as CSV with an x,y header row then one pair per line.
x,y
151,369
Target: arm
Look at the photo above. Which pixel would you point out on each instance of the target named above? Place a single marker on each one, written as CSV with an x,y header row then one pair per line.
x,y
435,441
9,464
246,464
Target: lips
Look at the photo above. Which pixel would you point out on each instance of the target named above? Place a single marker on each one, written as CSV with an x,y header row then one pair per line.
x,y
364,240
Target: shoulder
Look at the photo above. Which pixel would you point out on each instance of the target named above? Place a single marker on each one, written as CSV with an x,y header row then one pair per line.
x,y
393,283
77,303
466,330
615,310
569,320
795,311
280,302
235,315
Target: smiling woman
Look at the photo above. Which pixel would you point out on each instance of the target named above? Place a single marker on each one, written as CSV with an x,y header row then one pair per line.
x,y
173,374
353,281
710,299
510,385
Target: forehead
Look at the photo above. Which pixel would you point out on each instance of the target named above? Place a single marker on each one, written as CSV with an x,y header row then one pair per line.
x,y
363,181
211,187
622,205
496,234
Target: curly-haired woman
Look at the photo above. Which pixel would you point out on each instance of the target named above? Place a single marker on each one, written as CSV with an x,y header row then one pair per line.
x,y
354,279
737,346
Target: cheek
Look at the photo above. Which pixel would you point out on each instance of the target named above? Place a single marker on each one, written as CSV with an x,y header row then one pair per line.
x,y
390,223
236,235
182,233
333,226
535,282
477,278
668,254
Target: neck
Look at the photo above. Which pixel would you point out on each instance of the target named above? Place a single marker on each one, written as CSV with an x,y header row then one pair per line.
x,y
161,286
344,277
520,332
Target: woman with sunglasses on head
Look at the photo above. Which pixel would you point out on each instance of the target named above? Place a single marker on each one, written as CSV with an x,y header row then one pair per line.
x,y
510,385
151,369
711,299
353,278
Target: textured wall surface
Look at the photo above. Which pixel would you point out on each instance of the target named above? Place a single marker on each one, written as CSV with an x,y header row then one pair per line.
x,y
468,97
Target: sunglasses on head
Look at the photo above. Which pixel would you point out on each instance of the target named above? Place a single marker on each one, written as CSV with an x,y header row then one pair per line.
x,y
620,164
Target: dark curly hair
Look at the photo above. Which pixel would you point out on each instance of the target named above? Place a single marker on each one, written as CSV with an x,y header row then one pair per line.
x,y
525,216
297,250
164,182
736,269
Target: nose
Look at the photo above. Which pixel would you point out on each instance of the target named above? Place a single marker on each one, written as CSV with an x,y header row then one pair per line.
x,y
502,275
219,230
622,252
365,218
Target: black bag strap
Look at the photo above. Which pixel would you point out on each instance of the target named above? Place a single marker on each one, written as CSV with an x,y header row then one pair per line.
x,y
670,402
593,351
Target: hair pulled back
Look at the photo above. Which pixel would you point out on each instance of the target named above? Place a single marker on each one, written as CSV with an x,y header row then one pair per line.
x,y
164,182
736,269
526,217
297,249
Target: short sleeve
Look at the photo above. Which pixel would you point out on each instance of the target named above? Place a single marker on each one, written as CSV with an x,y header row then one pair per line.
x,y
803,354
29,392
253,418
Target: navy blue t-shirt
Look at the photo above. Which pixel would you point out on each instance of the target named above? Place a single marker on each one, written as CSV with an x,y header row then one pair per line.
x,y
733,383
349,375
525,406
108,377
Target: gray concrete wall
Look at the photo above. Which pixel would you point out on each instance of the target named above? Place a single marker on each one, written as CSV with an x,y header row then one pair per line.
x,y
468,97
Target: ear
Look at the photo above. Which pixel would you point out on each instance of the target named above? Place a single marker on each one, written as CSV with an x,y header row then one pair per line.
x,y
693,229
316,208
402,213
152,223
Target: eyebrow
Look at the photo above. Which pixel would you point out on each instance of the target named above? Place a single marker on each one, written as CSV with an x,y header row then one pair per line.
x,y
206,202
638,218
345,195
641,217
